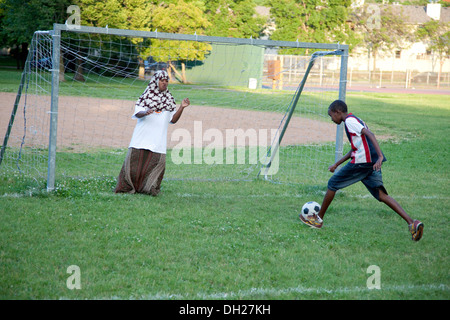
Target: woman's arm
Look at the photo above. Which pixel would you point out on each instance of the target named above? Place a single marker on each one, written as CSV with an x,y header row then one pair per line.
x,y
177,114
141,114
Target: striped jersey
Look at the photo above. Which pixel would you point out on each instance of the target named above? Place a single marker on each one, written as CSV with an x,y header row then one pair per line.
x,y
363,150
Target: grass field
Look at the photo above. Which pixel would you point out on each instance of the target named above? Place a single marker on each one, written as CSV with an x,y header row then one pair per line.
x,y
240,240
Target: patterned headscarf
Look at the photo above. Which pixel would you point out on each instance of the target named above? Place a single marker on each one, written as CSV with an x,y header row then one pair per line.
x,y
154,99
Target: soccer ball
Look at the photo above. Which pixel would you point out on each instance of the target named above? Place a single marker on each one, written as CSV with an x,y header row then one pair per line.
x,y
309,209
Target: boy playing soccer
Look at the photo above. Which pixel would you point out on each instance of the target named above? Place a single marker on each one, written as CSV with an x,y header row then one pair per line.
x,y
365,166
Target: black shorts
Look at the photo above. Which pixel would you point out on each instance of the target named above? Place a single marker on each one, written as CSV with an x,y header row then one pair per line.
x,y
352,173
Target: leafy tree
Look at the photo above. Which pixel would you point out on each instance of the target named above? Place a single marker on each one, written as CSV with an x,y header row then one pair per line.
x,y
3,39
437,35
233,18
179,17
382,30
21,18
173,16
312,21
120,14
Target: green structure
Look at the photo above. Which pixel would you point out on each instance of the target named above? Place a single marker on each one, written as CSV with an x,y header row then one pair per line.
x,y
228,66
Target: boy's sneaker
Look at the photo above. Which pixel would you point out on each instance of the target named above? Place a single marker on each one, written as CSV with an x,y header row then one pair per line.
x,y
416,229
314,221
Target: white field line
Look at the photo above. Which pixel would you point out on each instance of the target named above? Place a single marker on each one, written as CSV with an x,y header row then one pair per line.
x,y
273,292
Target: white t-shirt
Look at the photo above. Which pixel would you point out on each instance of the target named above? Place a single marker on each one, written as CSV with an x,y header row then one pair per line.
x,y
150,132
354,126
363,151
359,143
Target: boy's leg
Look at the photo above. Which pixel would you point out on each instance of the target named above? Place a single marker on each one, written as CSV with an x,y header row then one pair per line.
x,y
375,185
346,176
316,220
329,196
394,205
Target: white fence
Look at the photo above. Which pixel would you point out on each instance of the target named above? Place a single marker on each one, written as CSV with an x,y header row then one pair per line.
x,y
423,73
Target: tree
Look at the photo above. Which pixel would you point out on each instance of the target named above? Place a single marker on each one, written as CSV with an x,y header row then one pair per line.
x,y
174,16
437,35
312,20
179,17
382,29
21,18
120,14
233,19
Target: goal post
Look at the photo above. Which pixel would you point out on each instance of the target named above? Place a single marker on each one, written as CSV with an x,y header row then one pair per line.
x,y
56,51
82,84
272,152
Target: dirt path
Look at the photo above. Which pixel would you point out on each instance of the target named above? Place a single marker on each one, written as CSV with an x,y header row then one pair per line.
x,y
107,122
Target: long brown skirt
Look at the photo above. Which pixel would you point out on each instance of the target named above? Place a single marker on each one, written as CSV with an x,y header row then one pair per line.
x,y
142,172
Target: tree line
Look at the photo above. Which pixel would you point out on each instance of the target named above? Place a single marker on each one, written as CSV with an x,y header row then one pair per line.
x,y
328,21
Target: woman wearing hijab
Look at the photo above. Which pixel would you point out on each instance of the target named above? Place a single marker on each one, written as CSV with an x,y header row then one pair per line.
x,y
145,163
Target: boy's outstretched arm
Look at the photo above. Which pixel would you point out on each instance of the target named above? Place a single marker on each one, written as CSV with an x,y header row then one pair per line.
x,y
371,136
340,161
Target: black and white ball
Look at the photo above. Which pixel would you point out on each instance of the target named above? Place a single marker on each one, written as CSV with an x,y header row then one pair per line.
x,y
309,209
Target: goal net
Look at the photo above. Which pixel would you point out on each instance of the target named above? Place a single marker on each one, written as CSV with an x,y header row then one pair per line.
x,y
258,107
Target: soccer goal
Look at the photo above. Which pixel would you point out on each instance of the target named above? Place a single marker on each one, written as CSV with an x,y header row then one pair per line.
x,y
258,107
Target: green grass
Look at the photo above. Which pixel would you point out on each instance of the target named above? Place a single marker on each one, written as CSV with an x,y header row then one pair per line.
x,y
10,80
239,239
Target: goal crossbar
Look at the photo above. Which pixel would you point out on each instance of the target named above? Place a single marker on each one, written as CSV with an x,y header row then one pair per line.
x,y
200,38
